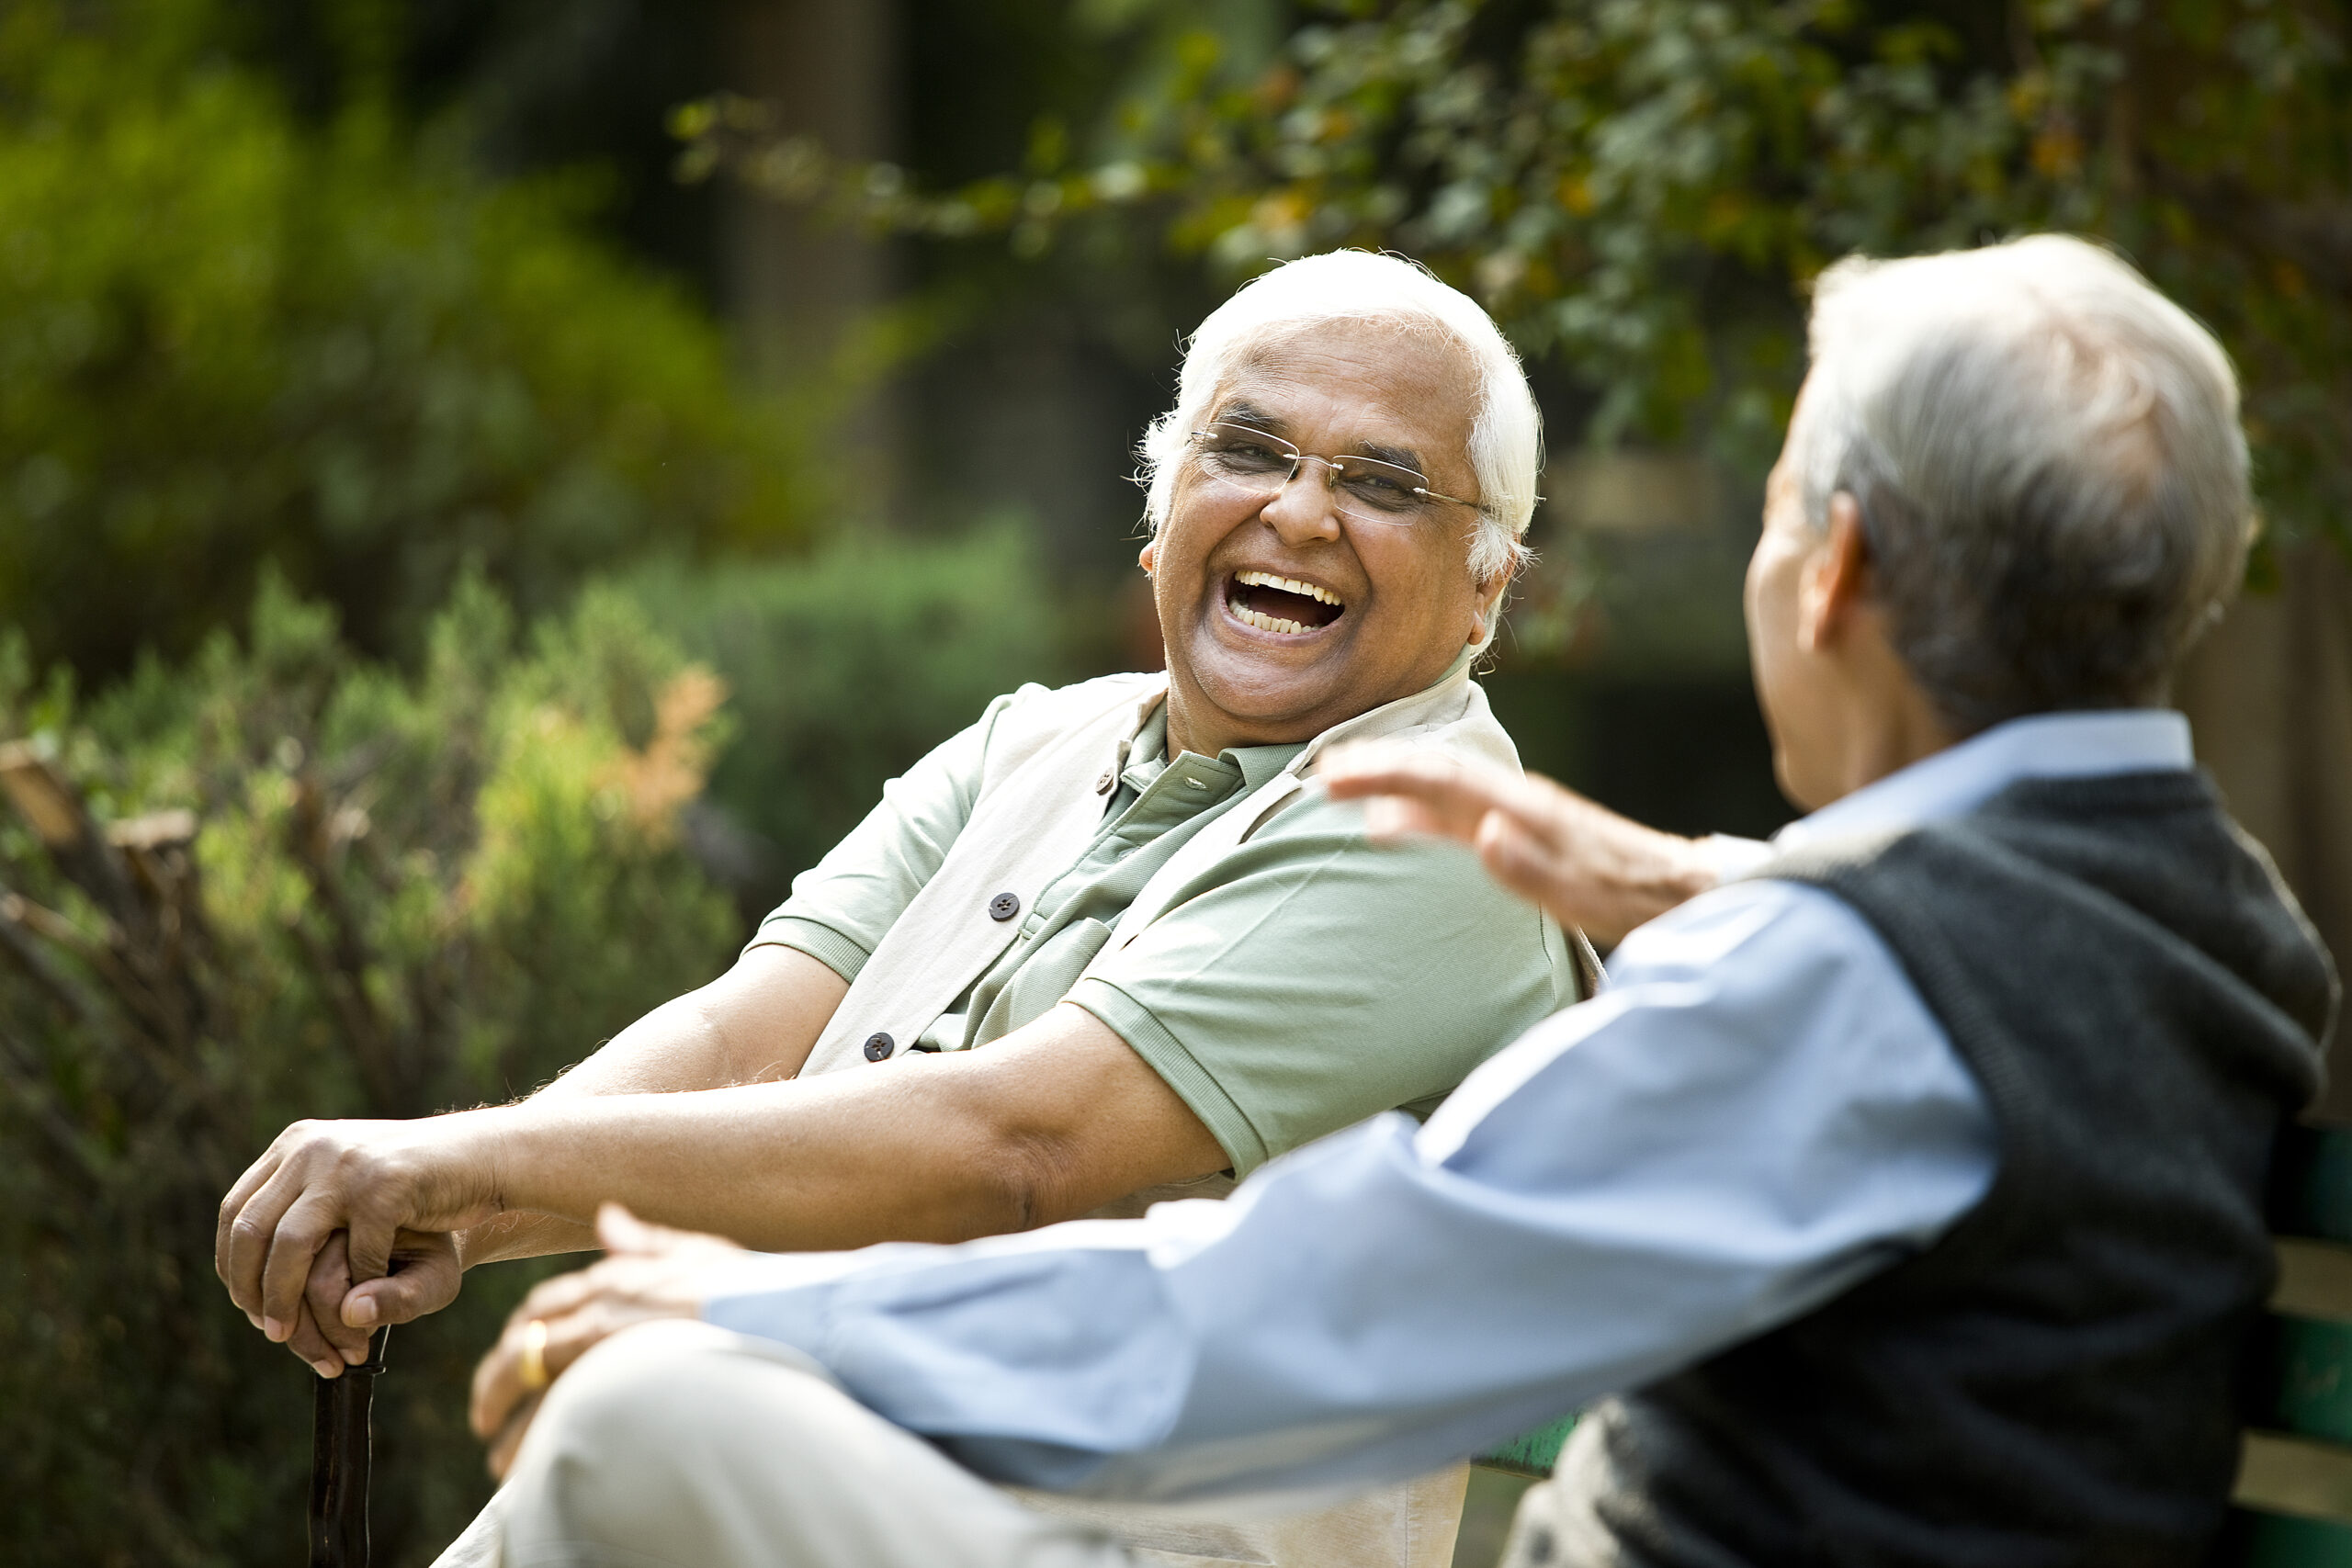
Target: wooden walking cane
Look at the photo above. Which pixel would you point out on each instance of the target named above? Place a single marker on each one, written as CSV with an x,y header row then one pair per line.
x,y
339,1462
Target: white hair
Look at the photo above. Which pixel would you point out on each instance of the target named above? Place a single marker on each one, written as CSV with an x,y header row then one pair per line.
x,y
1506,430
2047,456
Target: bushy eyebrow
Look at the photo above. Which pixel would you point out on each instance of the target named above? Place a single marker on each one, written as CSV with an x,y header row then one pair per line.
x,y
1250,414
1256,418
1403,457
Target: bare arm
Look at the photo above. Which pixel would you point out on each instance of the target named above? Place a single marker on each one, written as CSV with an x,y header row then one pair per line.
x,y
1054,1120
756,1023
1050,1122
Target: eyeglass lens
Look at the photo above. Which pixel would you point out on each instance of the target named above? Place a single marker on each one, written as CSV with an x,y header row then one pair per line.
x,y
1363,488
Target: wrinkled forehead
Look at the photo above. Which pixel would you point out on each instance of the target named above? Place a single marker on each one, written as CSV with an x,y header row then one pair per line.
x,y
1397,383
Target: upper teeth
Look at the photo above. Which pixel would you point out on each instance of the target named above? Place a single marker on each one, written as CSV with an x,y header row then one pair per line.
x,y
1287,584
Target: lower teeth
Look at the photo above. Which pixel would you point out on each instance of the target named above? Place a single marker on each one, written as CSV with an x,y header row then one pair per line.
x,y
1264,622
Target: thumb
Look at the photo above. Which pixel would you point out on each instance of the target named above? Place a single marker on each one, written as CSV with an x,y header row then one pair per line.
x,y
425,1284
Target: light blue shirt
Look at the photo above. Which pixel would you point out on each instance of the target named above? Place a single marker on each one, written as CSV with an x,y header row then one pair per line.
x,y
1755,1115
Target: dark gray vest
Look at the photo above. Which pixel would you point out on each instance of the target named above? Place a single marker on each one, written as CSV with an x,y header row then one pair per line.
x,y
2052,1383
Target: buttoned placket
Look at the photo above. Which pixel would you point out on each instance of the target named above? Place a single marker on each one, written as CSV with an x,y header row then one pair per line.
x,y
1180,789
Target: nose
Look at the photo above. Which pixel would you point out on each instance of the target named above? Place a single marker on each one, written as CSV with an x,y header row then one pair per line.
x,y
1305,507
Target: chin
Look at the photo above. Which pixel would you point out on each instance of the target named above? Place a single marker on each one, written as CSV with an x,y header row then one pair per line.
x,y
1259,688
1279,699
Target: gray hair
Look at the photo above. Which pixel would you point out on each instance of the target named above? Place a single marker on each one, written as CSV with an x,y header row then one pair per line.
x,y
2047,457
1506,431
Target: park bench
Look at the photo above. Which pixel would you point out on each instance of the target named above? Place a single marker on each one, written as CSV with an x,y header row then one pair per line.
x,y
2294,1490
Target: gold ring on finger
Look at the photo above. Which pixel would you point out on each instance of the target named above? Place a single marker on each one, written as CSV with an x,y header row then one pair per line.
x,y
532,1369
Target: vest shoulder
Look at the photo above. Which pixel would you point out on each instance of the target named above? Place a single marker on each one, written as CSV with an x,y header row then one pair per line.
x,y
1026,720
2142,868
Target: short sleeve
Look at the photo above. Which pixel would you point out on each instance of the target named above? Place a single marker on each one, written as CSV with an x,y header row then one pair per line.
x,y
1312,978
840,907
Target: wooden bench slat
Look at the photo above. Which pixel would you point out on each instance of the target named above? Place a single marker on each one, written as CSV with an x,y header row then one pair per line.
x,y
2279,1473
2314,1279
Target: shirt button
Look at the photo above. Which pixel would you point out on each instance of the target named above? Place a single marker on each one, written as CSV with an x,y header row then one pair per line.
x,y
1103,785
878,1046
1196,784
1004,905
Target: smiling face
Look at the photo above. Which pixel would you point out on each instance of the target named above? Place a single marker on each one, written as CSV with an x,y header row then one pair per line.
x,y
1282,617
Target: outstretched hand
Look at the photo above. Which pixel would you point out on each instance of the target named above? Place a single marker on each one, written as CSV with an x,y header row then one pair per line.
x,y
649,1271
1581,862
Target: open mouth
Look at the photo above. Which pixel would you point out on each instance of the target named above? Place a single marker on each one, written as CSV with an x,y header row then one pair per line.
x,y
1280,603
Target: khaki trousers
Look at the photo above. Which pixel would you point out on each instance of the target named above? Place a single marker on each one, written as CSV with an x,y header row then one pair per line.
x,y
678,1445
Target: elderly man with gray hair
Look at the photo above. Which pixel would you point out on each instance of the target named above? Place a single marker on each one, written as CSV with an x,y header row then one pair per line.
x,y
1897,1202
1110,943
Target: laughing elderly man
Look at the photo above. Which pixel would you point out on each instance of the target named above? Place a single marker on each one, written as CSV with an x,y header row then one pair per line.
x,y
1904,1194
1105,944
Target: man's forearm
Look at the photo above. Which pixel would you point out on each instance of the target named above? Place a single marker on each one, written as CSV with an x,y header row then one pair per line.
x,y
523,1235
1044,1125
756,1023
798,1166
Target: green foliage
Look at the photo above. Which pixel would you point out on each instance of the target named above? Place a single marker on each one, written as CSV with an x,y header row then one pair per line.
x,y
282,881
845,667
1643,188
228,337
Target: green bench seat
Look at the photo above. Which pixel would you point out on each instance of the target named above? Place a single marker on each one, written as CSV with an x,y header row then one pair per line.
x,y
2294,1488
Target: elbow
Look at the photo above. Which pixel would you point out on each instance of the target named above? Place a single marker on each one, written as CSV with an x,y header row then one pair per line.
x,y
1025,1181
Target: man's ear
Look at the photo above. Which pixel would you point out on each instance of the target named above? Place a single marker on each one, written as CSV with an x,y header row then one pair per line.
x,y
1837,581
1148,554
1490,606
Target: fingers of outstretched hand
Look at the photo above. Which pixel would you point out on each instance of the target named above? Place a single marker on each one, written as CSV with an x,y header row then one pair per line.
x,y
653,1272
1438,794
1391,817
1527,863
618,1232
425,1277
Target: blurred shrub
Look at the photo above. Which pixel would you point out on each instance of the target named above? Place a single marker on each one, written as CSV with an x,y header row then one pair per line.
x,y
846,666
227,336
282,881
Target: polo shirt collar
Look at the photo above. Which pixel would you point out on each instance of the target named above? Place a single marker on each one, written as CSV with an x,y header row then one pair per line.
x,y
1147,755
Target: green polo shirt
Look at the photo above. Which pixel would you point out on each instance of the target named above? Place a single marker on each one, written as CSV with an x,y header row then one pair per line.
x,y
1313,980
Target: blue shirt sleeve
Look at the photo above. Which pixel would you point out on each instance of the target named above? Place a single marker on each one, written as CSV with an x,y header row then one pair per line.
x,y
1758,1113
